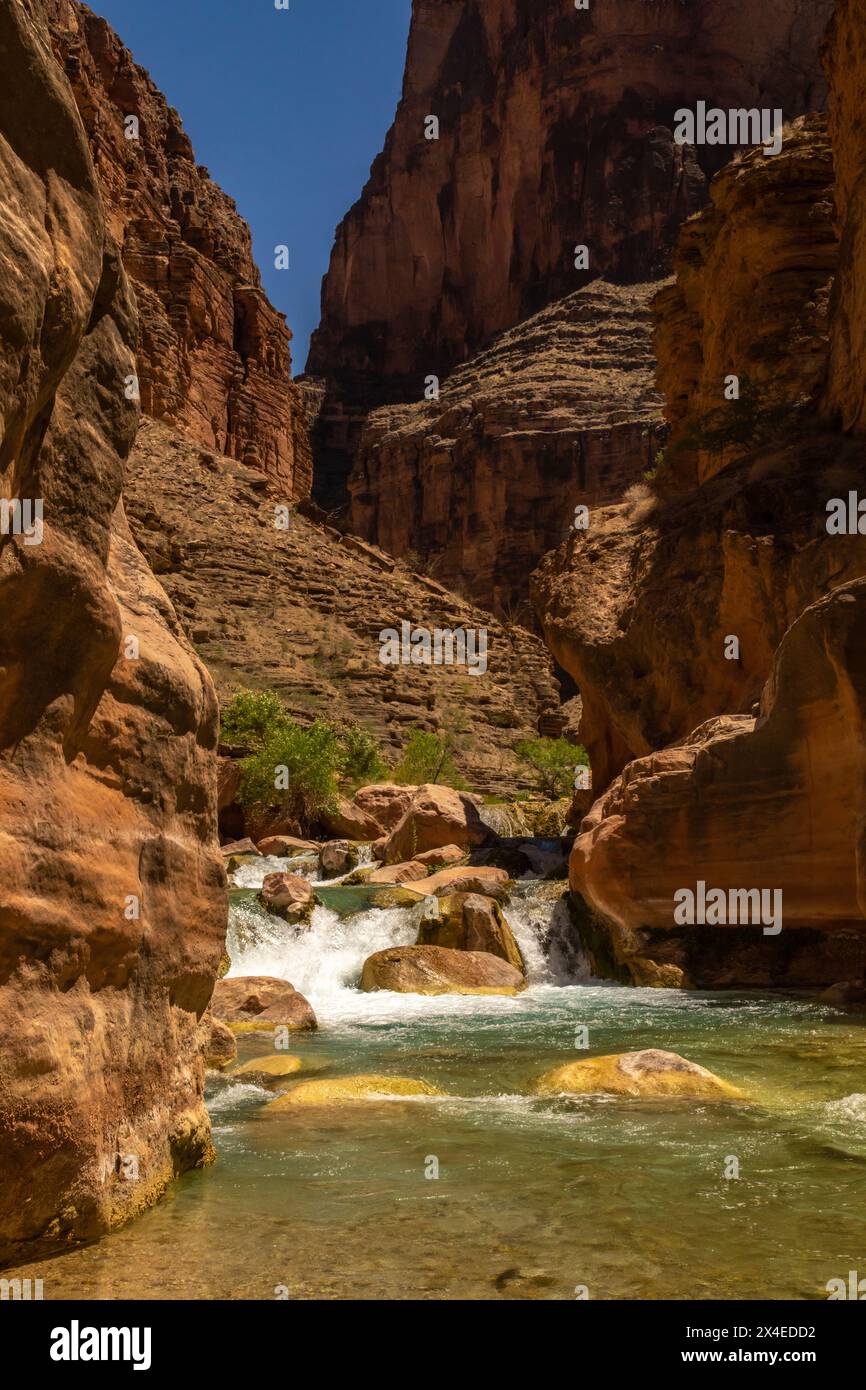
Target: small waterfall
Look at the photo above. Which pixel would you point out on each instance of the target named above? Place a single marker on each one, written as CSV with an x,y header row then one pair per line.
x,y
324,959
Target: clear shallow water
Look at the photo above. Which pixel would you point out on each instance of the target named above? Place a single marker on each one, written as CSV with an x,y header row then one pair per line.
x,y
534,1196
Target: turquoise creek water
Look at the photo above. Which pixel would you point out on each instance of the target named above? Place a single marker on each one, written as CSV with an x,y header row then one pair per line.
x,y
535,1197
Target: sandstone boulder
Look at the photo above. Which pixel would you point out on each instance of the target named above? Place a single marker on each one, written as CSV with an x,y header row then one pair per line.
x,y
386,802
238,848
397,873
348,1090
267,1070
219,1047
469,922
285,846
648,1073
351,822
259,1003
444,857
288,896
436,816
484,879
438,970
337,857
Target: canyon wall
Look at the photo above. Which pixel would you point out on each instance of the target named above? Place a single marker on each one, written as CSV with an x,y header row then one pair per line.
x,y
715,630
213,354
561,411
555,130
112,898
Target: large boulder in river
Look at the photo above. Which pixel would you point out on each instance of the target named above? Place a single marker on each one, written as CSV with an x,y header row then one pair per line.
x,y
490,881
647,1073
337,857
219,1047
444,857
386,802
438,970
286,846
260,999
351,822
288,896
412,872
437,816
347,1090
470,922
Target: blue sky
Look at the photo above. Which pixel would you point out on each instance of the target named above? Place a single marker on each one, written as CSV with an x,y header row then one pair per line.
x,y
288,110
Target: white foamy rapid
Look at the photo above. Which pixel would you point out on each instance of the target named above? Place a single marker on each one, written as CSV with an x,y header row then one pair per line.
x,y
324,961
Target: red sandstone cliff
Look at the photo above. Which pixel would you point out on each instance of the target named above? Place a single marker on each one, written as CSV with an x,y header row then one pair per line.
x,y
112,899
739,768
555,131
213,354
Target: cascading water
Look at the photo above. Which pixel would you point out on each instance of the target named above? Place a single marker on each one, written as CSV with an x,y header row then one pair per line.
x,y
324,960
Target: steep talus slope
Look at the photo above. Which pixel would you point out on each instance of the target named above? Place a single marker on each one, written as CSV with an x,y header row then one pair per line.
x,y
213,354
749,762
560,411
555,130
112,899
300,611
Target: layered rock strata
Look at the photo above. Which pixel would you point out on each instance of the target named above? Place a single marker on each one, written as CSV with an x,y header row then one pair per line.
x,y
560,412
213,355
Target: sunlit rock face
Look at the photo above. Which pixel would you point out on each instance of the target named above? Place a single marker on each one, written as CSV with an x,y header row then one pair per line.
x,y
112,898
213,354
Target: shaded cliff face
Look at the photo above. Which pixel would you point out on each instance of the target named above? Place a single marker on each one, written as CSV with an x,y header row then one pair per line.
x,y
638,608
750,298
213,354
775,803
112,900
559,412
845,60
556,130
736,544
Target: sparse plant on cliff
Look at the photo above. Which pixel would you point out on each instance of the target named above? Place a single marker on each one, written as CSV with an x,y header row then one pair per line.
x,y
295,771
428,757
553,761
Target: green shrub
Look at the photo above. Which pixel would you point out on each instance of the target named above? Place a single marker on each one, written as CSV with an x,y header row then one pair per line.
x,y
252,716
553,761
361,758
295,771
428,758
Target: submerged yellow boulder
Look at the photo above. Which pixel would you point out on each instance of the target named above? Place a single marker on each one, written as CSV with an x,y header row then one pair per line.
x,y
281,1064
647,1073
345,1090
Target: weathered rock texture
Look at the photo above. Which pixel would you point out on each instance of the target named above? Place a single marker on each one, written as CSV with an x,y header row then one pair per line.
x,y
845,59
724,790
300,611
112,900
638,608
777,803
556,130
214,354
560,411
750,298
